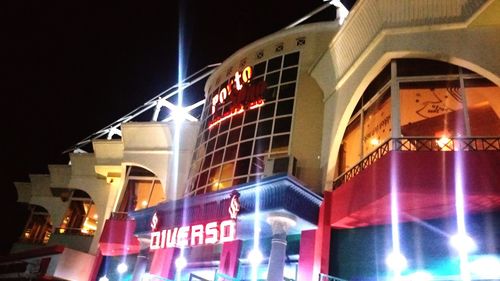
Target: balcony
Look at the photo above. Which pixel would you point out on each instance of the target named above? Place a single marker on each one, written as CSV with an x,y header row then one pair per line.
x,y
425,172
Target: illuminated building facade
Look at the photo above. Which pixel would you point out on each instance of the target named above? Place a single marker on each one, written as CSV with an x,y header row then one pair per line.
x,y
357,150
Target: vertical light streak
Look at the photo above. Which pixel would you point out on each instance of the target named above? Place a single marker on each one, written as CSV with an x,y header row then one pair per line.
x,y
396,246
178,124
460,213
256,232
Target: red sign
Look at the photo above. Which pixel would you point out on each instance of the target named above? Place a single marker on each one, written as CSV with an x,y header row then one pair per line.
x,y
198,234
243,94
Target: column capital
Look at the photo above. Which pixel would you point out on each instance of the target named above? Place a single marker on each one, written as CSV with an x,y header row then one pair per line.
x,y
281,222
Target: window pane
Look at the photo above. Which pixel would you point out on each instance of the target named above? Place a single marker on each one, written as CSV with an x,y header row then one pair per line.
x,y
257,166
250,116
230,153
248,132
272,78
419,67
483,102
291,59
221,140
259,69
282,125
284,107
287,91
264,128
432,108
270,94
350,149
377,123
245,149
261,146
234,136
280,144
274,64
242,167
227,171
289,75
267,111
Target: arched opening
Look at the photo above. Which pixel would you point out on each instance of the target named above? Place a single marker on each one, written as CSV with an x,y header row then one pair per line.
x,y
38,227
81,216
436,104
143,189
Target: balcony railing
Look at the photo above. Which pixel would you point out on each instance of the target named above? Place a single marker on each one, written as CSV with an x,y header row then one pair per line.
x,y
419,144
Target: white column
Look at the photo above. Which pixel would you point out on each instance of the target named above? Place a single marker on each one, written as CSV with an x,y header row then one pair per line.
x,y
280,224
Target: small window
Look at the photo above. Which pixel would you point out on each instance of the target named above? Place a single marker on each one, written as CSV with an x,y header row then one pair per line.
x,y
291,59
287,91
242,167
264,128
267,111
248,132
282,125
289,75
270,94
250,116
230,152
207,161
217,157
259,69
284,107
236,120
261,146
221,140
245,149
272,78
234,136
274,64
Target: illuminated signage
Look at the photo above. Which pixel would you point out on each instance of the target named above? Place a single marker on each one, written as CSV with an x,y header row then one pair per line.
x,y
198,234
243,94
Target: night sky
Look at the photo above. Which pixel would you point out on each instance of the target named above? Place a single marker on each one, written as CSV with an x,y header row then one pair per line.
x,y
70,68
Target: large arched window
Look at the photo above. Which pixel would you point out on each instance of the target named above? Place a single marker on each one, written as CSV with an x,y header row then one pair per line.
x,y
440,105
142,190
81,216
38,228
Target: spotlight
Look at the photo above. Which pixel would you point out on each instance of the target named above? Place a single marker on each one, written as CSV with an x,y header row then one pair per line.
x,y
180,262
463,242
122,268
104,278
396,261
255,257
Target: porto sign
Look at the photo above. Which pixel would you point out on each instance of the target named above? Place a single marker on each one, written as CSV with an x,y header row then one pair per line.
x,y
198,234
243,93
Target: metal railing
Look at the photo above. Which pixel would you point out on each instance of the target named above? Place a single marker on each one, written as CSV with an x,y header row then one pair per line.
x,y
419,144
324,277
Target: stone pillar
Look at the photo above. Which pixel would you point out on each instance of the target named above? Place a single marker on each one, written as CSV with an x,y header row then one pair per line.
x,y
280,224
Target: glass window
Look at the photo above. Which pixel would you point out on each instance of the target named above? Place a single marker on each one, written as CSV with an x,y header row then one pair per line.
x,y
264,128
483,105
248,132
270,94
274,64
423,67
259,69
217,159
143,190
291,59
250,116
80,218
284,107
280,144
227,171
272,78
261,146
431,108
207,161
377,123
267,110
350,149
245,149
282,125
230,153
234,136
258,165
289,75
221,140
242,167
287,91
38,228
236,120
